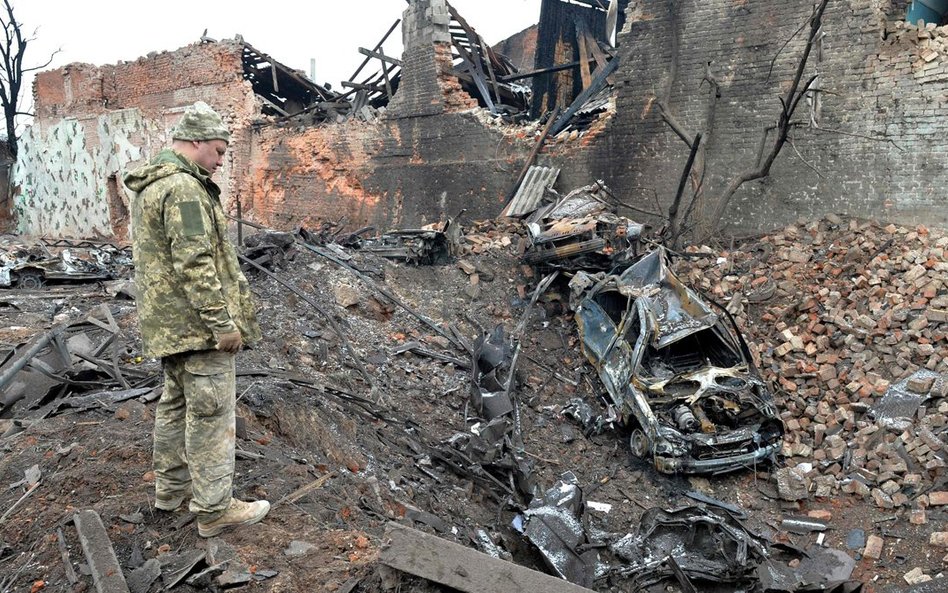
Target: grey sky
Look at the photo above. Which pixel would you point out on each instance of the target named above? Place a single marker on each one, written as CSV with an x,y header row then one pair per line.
x,y
106,31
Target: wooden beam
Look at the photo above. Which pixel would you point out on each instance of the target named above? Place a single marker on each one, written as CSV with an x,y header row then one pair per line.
x,y
368,81
378,46
461,568
490,69
388,83
379,55
583,54
584,96
598,54
475,60
363,87
532,73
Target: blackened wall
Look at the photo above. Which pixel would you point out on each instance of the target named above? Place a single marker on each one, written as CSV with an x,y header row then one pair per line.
x,y
875,147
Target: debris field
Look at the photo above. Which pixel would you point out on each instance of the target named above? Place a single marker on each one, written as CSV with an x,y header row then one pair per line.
x,y
392,403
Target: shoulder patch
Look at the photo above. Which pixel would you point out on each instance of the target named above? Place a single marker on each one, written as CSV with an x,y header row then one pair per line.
x,y
192,221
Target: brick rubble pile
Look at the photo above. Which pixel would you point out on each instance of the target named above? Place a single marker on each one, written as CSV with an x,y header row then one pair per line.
x,y
842,313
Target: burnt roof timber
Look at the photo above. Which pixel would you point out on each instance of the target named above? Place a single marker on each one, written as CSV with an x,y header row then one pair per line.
x,y
380,56
368,81
532,73
476,65
258,57
378,47
363,87
583,54
597,83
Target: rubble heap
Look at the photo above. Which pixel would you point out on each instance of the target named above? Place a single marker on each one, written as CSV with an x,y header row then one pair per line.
x,y
849,319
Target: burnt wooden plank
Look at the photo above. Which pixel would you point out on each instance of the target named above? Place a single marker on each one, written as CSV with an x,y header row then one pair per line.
x,y
532,73
378,46
106,572
464,569
600,79
490,70
380,56
583,55
475,58
363,87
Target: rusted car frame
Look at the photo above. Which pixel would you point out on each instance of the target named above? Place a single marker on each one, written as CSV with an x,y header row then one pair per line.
x,y
677,369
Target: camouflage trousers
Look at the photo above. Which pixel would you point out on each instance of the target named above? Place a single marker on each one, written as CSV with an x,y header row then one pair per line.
x,y
195,431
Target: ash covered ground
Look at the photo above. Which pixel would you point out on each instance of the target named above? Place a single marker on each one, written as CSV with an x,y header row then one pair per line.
x,y
836,313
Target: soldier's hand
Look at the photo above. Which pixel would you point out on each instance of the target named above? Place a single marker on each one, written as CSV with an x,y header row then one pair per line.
x,y
230,343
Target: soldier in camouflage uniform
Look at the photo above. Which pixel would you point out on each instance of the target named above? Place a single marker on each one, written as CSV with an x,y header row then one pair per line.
x,y
196,312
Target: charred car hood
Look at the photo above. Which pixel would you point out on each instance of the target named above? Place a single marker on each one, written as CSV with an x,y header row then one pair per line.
x,y
679,372
676,310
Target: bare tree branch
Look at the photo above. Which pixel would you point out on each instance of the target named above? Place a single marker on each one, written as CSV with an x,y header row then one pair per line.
x,y
854,135
673,222
805,162
12,51
788,104
782,47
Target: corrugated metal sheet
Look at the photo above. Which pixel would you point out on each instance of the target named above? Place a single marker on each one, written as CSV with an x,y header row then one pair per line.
x,y
530,192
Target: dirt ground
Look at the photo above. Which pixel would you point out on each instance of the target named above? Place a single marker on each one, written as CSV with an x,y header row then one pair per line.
x,y
309,418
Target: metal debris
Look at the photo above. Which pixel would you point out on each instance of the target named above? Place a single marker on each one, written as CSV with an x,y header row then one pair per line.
x,y
494,443
802,525
903,402
40,377
413,246
679,374
708,545
531,191
582,232
33,266
552,524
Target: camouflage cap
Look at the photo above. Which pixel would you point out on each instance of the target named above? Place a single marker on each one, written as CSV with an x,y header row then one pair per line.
x,y
201,122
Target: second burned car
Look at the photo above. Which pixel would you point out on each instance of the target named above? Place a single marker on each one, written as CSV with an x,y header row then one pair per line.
x,y
677,370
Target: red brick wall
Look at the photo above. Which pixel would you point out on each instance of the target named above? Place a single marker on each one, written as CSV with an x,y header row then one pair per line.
x,y
401,172
207,71
156,89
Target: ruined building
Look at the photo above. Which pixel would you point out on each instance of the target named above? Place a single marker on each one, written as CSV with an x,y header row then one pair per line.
x,y
866,141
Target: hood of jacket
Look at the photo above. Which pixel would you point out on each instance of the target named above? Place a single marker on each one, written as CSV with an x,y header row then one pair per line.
x,y
167,162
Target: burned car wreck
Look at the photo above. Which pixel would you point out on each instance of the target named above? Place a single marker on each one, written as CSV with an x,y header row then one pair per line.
x,y
677,370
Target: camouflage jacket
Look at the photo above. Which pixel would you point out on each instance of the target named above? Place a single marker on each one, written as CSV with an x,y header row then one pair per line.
x,y
190,287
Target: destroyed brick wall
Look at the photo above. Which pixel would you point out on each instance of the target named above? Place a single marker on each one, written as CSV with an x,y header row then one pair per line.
x,y
427,86
95,123
431,155
398,172
875,136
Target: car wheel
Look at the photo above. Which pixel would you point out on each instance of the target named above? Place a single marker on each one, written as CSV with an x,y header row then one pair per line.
x,y
640,444
31,280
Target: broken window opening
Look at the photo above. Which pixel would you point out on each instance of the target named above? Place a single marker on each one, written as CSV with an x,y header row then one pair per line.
x,y
691,352
614,304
